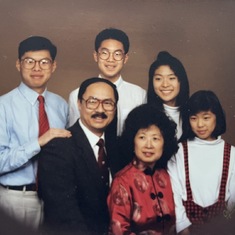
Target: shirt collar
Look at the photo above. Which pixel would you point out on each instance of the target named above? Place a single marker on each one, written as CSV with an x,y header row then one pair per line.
x,y
118,83
92,138
30,94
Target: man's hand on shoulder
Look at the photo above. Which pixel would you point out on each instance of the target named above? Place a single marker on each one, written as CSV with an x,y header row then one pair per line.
x,y
53,133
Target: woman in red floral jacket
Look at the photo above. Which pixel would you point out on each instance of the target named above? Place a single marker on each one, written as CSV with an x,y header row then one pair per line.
x,y
140,200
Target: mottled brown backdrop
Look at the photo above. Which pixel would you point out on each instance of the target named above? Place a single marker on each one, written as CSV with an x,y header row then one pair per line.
x,y
200,33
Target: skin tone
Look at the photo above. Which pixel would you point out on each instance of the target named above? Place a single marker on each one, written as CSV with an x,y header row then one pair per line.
x,y
110,68
98,119
149,144
203,125
37,79
166,85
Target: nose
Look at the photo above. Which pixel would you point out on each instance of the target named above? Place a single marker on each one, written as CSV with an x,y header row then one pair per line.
x,y
200,122
100,107
111,58
36,66
164,82
148,143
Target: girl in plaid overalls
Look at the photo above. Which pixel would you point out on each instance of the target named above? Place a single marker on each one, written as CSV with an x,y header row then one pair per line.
x,y
203,170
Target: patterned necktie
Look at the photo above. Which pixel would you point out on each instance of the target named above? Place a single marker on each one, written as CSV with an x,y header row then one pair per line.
x,y
103,165
43,121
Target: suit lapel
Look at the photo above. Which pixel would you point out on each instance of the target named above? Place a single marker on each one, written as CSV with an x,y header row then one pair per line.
x,y
82,143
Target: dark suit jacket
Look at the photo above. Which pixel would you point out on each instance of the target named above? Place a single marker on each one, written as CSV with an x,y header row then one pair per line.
x,y
70,185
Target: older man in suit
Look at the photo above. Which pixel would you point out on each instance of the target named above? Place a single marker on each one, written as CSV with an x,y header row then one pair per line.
x,y
71,182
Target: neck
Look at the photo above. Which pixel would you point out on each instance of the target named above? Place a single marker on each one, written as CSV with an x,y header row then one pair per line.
x,y
111,79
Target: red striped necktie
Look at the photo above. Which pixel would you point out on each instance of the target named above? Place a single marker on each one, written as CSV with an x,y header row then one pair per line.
x,y
43,120
103,165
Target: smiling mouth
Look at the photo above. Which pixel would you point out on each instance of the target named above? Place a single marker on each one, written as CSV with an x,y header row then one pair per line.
x,y
110,66
201,132
166,92
148,154
36,76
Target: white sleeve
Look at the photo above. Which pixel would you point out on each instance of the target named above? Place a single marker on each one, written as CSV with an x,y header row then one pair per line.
x,y
177,176
230,183
73,107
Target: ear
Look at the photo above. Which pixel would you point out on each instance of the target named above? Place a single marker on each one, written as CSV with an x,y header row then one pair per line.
x,y
126,58
18,65
79,105
54,66
95,55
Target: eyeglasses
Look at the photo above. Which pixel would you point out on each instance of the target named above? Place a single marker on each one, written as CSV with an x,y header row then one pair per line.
x,y
104,54
93,103
29,63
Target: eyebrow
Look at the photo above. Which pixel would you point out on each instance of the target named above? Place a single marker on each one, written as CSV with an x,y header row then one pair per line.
x,y
166,75
104,48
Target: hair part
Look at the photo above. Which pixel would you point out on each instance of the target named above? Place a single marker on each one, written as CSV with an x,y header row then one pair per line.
x,y
115,34
36,43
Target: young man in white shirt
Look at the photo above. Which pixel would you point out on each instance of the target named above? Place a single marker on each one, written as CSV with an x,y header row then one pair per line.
x,y
111,54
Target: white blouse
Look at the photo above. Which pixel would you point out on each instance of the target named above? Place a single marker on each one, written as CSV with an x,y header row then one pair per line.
x,y
205,159
174,114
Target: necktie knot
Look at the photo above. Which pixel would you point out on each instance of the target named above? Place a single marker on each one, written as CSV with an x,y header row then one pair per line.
x,y
41,99
100,143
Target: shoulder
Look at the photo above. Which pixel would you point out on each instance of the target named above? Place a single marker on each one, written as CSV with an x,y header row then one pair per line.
x,y
9,95
133,87
55,98
124,172
59,145
74,92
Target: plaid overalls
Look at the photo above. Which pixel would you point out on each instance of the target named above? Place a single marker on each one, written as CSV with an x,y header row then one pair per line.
x,y
200,215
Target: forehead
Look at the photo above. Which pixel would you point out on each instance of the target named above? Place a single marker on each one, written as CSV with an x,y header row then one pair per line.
x,y
37,54
153,129
112,45
100,90
164,70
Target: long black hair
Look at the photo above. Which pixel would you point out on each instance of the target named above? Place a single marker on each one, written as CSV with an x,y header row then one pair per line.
x,y
165,58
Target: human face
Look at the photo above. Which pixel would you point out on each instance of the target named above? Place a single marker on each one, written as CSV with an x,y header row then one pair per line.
x,y
203,125
149,144
110,68
36,78
98,119
166,85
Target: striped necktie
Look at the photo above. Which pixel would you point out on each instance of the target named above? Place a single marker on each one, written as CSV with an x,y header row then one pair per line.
x,y
103,165
43,120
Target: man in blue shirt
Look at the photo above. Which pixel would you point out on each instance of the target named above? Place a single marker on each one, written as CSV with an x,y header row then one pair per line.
x,y
19,129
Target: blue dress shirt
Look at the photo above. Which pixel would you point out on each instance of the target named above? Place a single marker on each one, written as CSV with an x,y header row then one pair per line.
x,y
19,132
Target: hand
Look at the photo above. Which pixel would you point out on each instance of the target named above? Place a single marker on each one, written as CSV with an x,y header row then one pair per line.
x,y
53,133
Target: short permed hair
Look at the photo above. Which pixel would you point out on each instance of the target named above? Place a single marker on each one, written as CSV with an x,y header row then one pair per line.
x,y
144,116
112,33
36,43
